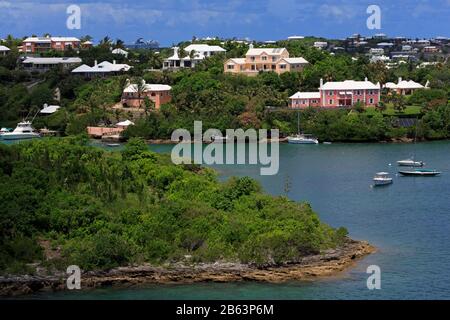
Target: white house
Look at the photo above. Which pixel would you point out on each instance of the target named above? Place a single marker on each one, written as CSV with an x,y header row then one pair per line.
x,y
405,87
102,69
320,44
45,64
121,52
4,50
195,54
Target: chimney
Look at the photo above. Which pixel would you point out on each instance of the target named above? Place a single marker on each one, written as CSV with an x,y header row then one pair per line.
x,y
114,61
365,79
400,79
95,63
251,46
321,83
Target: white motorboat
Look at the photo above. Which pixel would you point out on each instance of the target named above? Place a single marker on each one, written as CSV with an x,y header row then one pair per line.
x,y
303,139
24,130
410,163
382,179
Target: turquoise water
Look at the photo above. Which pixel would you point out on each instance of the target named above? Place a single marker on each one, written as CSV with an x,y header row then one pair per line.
x,y
409,223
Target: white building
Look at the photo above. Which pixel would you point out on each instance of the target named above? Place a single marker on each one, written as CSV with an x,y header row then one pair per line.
x,y
102,69
4,50
376,51
405,87
45,64
121,52
195,53
320,44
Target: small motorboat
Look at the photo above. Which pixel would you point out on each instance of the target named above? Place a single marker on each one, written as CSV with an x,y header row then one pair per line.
x,y
420,173
4,130
113,145
410,163
24,130
219,138
382,179
303,139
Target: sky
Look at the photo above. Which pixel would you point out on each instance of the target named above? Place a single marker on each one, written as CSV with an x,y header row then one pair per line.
x,y
172,21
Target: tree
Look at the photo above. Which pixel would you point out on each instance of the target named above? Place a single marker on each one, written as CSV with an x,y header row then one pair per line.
x,y
398,101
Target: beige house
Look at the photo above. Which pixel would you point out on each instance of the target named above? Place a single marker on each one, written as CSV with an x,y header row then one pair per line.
x,y
264,59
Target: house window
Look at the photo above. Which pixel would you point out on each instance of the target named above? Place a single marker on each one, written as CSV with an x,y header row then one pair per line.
x,y
331,101
230,67
370,91
282,66
252,59
330,93
253,67
274,67
371,100
264,58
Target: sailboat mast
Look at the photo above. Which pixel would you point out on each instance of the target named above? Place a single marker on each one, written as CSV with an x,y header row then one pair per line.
x,y
298,122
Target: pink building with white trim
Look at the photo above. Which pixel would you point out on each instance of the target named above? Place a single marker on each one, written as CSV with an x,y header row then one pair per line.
x,y
339,94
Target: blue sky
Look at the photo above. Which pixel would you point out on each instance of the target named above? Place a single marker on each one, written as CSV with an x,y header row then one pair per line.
x,y
170,21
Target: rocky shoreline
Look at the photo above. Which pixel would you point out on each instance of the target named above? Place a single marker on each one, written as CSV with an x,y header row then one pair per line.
x,y
326,264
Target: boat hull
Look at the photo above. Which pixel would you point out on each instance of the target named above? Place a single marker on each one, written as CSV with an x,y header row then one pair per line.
x,y
406,163
297,141
384,182
23,136
420,173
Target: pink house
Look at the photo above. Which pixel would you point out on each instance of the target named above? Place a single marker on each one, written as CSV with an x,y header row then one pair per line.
x,y
134,95
339,94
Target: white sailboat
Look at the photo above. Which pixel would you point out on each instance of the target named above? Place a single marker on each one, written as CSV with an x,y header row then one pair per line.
x,y
301,138
411,162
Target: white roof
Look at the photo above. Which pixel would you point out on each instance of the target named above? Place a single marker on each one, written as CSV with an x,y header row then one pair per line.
x,y
306,95
298,60
404,84
148,87
49,39
125,123
238,60
120,51
350,85
203,48
269,51
3,48
49,109
34,60
102,67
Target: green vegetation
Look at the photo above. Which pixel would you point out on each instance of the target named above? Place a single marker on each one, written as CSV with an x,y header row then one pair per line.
x,y
227,101
100,210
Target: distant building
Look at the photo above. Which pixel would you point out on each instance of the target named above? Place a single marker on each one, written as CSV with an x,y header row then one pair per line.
x,y
340,94
33,64
4,50
263,60
134,95
195,53
87,45
320,44
296,37
431,49
44,44
120,52
102,69
376,51
405,87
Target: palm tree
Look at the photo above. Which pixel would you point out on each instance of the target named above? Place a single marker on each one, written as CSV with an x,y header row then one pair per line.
x,y
86,38
140,89
105,42
119,44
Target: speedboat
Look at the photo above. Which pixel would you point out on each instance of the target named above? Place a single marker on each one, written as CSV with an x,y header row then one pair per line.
x,y
382,179
4,130
410,163
24,130
303,139
420,173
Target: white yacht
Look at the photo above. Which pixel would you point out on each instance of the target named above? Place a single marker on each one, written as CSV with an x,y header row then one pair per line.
x,y
303,139
382,179
24,130
410,163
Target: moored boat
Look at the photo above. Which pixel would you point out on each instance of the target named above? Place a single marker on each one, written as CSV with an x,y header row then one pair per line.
x,y
382,179
420,173
303,139
24,130
410,163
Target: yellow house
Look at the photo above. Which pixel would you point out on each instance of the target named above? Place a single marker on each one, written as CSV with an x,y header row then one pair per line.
x,y
264,59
